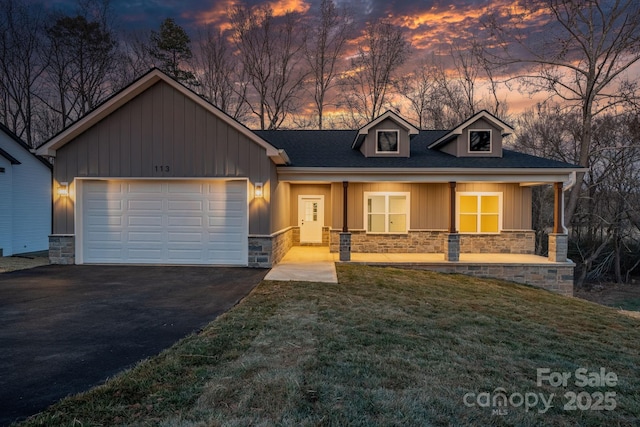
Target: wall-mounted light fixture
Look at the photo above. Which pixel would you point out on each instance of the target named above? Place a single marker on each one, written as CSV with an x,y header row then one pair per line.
x,y
258,189
63,189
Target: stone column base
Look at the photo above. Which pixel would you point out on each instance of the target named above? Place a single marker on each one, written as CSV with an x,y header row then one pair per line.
x,y
62,249
345,246
558,247
452,247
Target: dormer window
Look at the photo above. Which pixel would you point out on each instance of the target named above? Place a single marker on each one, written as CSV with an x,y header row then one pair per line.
x,y
387,141
479,141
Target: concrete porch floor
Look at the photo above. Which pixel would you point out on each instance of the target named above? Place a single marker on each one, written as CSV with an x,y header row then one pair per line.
x,y
317,264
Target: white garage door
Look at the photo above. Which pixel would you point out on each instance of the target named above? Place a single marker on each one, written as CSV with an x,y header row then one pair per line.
x,y
164,222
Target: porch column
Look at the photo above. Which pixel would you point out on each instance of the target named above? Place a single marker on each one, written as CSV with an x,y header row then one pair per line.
x,y
345,186
558,240
345,236
452,207
452,239
558,206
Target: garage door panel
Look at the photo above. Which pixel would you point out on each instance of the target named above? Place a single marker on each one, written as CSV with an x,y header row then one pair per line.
x,y
185,237
104,236
143,237
144,205
105,220
107,254
185,221
103,204
142,256
185,206
144,220
143,188
165,222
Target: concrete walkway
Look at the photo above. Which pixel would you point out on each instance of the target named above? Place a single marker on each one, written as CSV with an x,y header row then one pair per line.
x,y
306,264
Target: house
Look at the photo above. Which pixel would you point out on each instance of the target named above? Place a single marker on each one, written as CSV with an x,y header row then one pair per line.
x,y
25,191
157,175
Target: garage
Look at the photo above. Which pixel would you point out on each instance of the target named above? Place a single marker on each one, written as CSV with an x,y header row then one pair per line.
x,y
160,221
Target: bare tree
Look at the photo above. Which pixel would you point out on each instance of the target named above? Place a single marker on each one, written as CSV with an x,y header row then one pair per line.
x,y
419,89
21,66
325,45
446,89
548,131
134,57
82,56
217,74
586,49
381,52
270,52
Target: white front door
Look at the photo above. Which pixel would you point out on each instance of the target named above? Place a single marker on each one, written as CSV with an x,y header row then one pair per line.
x,y
311,218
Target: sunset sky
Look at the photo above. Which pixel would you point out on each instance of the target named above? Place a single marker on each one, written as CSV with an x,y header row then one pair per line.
x,y
431,25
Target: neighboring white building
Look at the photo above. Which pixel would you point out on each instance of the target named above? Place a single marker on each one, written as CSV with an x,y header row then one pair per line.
x,y
25,197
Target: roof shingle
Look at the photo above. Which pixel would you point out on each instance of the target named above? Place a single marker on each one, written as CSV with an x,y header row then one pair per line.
x,y
332,149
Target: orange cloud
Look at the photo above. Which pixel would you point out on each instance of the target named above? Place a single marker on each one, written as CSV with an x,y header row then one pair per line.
x,y
218,14
281,7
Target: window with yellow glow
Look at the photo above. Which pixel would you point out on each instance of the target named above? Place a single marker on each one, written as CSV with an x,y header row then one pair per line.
x,y
479,212
386,212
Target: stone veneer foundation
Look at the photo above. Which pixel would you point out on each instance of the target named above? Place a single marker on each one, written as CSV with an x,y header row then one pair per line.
x,y
556,278
509,242
266,251
62,249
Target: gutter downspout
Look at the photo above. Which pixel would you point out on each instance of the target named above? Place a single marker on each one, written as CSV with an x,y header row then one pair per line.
x,y
566,187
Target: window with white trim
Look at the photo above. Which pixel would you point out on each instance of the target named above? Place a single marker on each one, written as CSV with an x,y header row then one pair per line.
x,y
479,212
479,140
387,141
386,212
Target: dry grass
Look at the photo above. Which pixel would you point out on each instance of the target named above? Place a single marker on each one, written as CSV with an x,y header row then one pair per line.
x,y
21,262
383,347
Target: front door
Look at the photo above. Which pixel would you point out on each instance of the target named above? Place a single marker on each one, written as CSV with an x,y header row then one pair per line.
x,y
310,218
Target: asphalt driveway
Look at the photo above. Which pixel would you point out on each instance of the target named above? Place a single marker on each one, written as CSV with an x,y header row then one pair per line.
x,y
64,329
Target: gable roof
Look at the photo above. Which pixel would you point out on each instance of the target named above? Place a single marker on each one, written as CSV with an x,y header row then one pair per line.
x,y
134,89
23,146
364,131
505,129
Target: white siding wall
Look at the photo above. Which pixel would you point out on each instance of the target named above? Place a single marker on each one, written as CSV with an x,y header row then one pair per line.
x,y
30,200
6,203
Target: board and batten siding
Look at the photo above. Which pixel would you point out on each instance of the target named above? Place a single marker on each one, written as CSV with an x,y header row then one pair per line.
x,y
368,148
429,203
162,133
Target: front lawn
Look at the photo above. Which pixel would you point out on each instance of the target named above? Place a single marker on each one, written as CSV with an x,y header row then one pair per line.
x,y
384,347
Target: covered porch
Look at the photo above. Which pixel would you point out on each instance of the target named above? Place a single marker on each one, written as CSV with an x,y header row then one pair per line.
x,y
313,263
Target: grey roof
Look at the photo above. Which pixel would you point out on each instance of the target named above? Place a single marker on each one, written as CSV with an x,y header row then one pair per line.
x,y
332,148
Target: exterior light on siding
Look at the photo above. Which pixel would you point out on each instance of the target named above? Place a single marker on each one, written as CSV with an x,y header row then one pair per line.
x,y
258,190
63,189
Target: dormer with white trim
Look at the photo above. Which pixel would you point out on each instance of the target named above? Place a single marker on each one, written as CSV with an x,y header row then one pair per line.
x,y
479,136
387,136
